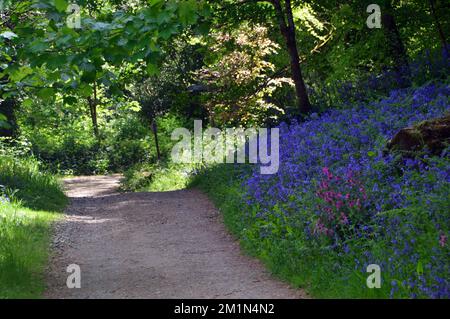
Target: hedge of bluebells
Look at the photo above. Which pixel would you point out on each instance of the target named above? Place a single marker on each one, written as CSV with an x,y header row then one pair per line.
x,y
339,190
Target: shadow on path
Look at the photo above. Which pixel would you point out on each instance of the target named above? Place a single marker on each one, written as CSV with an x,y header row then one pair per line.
x,y
151,245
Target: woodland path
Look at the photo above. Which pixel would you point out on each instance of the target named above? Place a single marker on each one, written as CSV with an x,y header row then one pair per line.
x,y
151,245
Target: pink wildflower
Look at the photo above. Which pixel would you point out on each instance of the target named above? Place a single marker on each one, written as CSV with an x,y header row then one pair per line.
x,y
442,240
327,172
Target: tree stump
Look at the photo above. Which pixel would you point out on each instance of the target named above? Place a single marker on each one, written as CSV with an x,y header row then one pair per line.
x,y
432,135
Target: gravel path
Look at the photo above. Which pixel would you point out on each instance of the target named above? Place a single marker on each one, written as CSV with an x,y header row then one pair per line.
x,y
151,245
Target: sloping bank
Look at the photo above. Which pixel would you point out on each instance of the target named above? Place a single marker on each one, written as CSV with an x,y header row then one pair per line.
x,y
338,204
30,201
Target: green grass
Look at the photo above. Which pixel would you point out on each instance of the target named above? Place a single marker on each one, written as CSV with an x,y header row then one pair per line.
x,y
24,242
35,189
30,201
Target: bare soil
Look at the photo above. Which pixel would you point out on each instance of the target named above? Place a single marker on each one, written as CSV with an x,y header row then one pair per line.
x,y
151,245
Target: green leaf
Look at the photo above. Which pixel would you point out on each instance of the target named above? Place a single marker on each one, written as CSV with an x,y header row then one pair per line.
x,y
71,100
187,11
101,26
85,90
153,3
89,77
4,122
46,94
163,17
419,268
53,26
203,28
38,46
168,32
8,35
19,74
152,69
27,102
61,5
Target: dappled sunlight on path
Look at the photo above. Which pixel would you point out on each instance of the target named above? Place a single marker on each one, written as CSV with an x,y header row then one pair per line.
x,y
151,245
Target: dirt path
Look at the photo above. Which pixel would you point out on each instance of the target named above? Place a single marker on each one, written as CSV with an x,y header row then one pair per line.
x,y
151,245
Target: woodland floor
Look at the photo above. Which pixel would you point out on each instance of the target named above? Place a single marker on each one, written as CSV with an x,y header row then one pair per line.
x,y
151,245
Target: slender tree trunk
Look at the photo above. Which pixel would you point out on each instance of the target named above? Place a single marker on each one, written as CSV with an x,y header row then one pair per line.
x,y
397,47
155,133
288,32
93,110
438,25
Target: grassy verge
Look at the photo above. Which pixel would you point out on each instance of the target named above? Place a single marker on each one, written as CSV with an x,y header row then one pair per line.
x,y
30,201
24,245
316,270
161,177
35,189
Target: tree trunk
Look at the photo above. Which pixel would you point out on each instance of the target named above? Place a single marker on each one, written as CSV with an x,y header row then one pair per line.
x,y
155,133
397,47
93,110
288,32
438,26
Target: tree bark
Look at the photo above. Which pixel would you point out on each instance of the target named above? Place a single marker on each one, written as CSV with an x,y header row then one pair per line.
x,y
396,45
93,110
288,32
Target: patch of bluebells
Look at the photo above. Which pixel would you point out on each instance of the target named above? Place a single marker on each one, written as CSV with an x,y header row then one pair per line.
x,y
400,206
